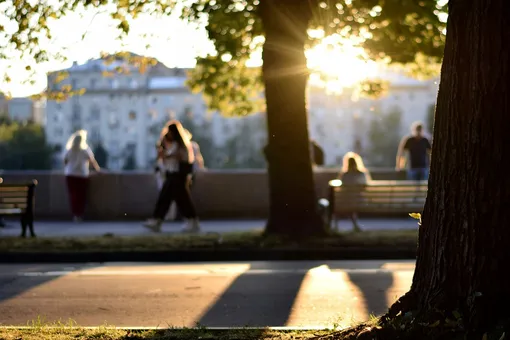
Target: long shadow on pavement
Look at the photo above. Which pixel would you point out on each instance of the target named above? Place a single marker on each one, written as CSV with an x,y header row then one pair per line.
x,y
16,280
374,287
256,299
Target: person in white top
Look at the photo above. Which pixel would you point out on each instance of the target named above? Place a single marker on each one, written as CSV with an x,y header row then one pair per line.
x,y
160,174
77,160
177,157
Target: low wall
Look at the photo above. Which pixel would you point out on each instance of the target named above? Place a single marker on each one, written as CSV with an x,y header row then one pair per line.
x,y
131,195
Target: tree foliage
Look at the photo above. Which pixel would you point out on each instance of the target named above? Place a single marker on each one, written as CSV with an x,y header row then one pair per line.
x,y
24,147
399,31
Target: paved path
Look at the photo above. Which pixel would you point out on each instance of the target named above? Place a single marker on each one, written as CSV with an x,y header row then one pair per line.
x,y
130,228
301,294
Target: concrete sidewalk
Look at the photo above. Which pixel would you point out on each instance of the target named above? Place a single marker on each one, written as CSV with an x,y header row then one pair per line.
x,y
131,228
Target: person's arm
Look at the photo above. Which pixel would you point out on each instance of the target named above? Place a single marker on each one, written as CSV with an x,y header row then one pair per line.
x,y
66,159
93,161
199,159
429,150
400,161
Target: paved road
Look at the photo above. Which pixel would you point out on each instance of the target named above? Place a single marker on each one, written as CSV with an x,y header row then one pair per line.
x,y
130,228
301,294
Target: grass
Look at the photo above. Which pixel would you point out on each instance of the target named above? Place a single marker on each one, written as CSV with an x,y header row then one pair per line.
x,y
235,240
38,330
103,333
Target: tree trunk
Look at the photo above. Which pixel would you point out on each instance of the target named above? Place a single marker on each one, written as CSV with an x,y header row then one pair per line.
x,y
292,191
464,240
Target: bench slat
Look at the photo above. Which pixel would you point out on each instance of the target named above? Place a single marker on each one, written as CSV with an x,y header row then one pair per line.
x,y
13,205
11,211
13,200
11,188
381,196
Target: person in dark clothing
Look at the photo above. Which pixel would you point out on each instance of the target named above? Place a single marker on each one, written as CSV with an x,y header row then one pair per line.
x,y
418,148
176,153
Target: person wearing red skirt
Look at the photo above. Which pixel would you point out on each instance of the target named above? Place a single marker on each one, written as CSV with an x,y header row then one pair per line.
x,y
77,161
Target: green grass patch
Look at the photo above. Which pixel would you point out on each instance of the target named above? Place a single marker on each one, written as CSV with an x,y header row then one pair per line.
x,y
38,330
228,241
102,333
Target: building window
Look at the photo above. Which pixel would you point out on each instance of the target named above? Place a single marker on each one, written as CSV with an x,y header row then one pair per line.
x,y
153,114
154,100
93,83
74,84
95,134
132,115
133,83
114,83
114,147
113,120
95,113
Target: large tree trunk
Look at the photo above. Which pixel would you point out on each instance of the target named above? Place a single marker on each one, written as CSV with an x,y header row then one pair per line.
x,y
292,192
464,240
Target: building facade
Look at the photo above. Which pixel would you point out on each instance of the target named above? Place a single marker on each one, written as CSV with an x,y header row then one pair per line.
x,y
125,112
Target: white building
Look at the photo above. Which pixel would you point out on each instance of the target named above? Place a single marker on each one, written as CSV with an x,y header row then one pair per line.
x,y
23,109
126,112
340,124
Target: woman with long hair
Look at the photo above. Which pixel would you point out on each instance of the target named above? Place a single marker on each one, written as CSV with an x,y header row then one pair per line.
x,y
353,170
77,161
354,173
176,153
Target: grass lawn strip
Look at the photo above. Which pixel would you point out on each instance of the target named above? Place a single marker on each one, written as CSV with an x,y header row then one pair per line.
x,y
234,240
105,333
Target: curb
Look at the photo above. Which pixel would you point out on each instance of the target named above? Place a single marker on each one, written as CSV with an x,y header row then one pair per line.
x,y
350,253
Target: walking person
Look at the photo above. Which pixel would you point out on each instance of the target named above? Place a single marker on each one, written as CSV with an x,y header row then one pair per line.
x,y
418,148
176,153
77,161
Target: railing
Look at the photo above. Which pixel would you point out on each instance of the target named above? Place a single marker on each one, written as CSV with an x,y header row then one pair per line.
x,y
239,193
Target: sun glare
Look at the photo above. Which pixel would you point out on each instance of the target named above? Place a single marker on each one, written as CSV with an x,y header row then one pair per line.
x,y
336,66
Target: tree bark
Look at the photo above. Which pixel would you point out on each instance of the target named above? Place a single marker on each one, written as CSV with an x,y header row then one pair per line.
x,y
464,240
292,192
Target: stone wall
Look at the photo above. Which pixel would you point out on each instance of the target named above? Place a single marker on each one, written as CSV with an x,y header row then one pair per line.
x,y
131,195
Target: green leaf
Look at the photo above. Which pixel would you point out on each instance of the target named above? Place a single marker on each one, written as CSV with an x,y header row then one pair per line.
x,y
416,216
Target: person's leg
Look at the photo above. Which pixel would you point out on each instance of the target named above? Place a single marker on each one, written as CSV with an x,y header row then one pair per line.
x,y
412,174
425,174
82,185
165,199
72,193
186,206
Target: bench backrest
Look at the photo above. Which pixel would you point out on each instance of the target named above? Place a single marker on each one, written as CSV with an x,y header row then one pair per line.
x,y
379,196
17,197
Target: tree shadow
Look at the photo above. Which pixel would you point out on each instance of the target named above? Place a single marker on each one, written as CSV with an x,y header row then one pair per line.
x,y
374,286
255,299
16,280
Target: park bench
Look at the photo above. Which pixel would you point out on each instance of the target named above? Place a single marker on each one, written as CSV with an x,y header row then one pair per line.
x,y
376,197
17,199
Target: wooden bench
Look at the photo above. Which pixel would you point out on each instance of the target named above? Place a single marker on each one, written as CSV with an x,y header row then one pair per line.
x,y
17,199
376,197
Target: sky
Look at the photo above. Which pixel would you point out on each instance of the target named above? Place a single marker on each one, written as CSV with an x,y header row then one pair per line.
x,y
172,41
